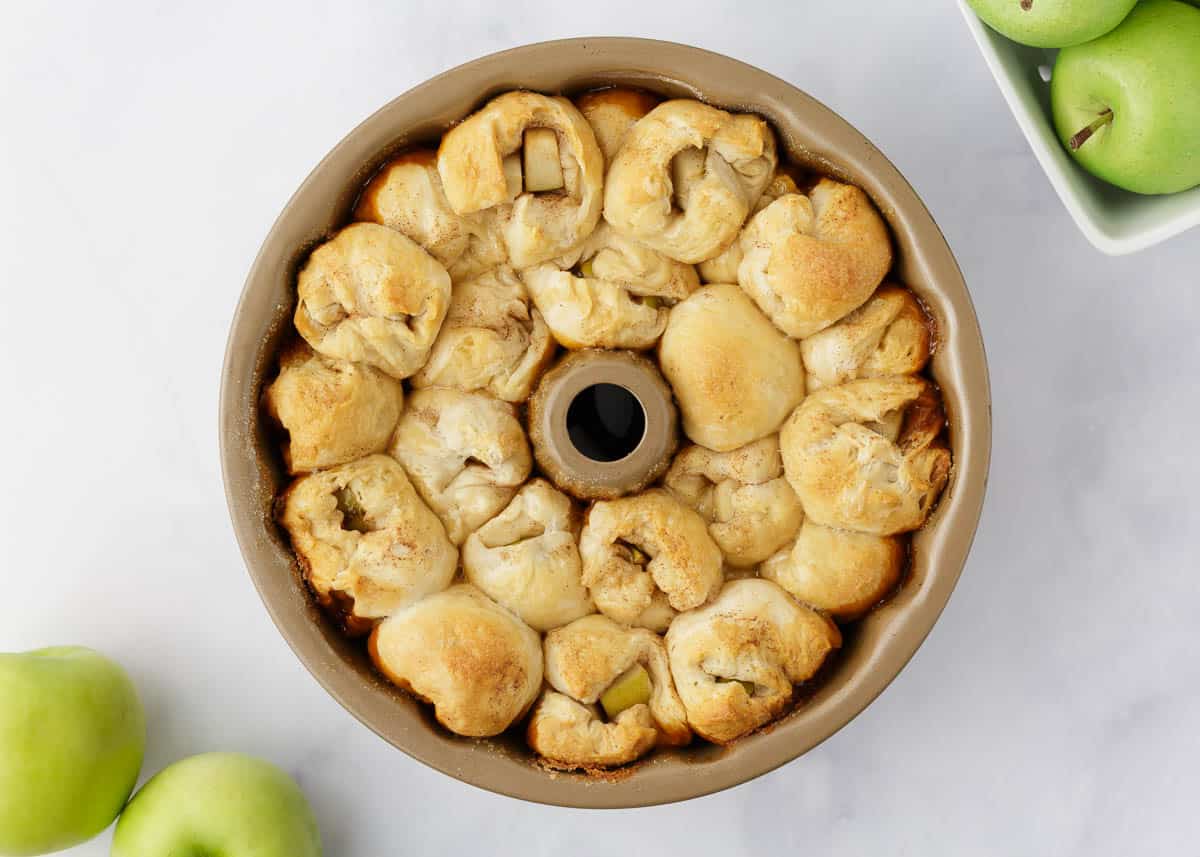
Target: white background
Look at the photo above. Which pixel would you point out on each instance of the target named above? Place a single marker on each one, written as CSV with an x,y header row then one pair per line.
x,y
145,151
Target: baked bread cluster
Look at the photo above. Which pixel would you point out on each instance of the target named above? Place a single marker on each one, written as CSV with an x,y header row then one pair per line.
x,y
691,609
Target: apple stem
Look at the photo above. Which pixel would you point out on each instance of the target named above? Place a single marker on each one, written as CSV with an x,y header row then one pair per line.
x,y
1026,5
1085,134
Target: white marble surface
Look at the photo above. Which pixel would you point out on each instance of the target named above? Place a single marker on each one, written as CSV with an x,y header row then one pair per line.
x,y
146,150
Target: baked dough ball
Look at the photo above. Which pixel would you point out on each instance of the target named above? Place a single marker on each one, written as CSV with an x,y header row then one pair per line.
x,y
888,335
752,632
735,376
367,544
371,295
610,292
491,340
750,508
573,735
527,558
582,660
333,411
407,195
809,260
539,226
478,664
465,452
612,112
842,573
723,268
647,556
850,476
686,176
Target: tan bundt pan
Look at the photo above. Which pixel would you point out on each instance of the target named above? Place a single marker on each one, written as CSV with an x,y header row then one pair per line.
x,y
812,134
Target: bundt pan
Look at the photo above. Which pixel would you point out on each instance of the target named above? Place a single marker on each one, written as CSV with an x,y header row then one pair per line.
x,y
876,648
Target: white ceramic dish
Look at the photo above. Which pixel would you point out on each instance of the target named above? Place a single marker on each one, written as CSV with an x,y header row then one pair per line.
x,y
1114,220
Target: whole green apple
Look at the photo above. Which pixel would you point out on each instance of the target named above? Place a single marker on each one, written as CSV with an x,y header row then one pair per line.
x,y
1052,23
224,804
72,734
1127,105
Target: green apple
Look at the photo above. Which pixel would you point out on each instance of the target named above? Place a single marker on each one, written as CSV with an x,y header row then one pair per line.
x,y
218,805
633,687
72,734
1127,105
1052,23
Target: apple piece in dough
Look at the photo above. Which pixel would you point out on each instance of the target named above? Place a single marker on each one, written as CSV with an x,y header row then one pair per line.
x,y
543,170
747,686
512,176
354,516
632,553
687,168
632,688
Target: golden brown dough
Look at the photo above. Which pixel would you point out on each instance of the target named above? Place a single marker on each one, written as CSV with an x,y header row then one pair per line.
x,y
750,508
782,182
848,475
723,268
735,376
888,335
571,734
809,260
491,340
539,226
366,542
582,660
407,195
478,664
612,112
596,295
527,558
465,452
752,632
842,573
333,411
647,556
686,176
371,295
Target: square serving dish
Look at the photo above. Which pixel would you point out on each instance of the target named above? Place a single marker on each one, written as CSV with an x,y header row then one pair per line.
x,y
1116,221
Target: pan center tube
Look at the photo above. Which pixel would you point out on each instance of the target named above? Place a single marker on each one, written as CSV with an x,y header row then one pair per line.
x,y
603,423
